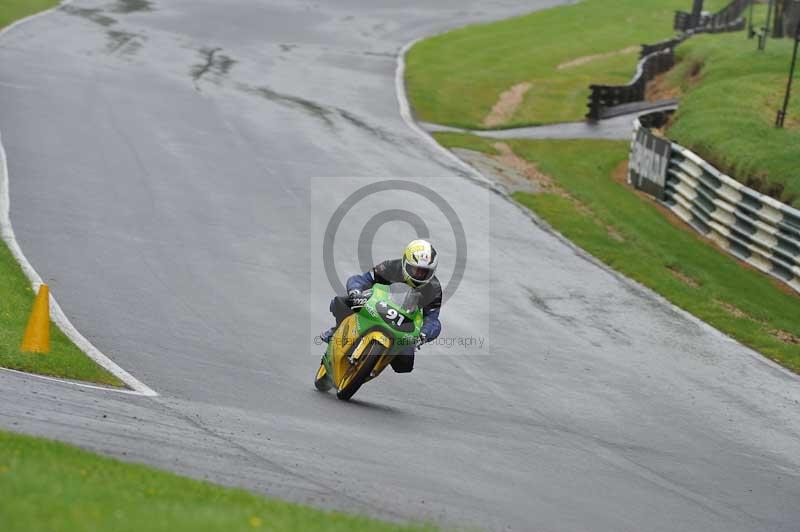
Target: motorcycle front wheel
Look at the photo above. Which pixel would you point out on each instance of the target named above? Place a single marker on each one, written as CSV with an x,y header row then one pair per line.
x,y
321,381
360,372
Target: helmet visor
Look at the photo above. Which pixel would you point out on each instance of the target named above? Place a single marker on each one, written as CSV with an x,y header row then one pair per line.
x,y
420,274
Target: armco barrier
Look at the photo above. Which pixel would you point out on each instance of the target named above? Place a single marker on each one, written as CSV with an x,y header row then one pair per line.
x,y
603,97
660,46
660,57
727,19
717,27
753,227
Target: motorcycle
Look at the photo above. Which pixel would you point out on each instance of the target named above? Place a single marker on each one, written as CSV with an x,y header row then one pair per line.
x,y
366,341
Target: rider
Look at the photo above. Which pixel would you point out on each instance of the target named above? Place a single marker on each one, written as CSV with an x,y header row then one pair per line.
x,y
416,269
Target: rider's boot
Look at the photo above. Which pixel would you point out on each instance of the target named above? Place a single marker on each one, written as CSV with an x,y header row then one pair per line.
x,y
327,335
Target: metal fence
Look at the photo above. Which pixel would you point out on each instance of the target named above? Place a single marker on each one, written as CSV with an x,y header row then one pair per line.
x,y
753,227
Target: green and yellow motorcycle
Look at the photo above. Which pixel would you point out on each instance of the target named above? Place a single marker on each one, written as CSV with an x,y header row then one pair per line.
x,y
366,341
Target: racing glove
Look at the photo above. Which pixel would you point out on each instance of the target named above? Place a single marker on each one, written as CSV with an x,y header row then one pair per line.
x,y
421,341
357,299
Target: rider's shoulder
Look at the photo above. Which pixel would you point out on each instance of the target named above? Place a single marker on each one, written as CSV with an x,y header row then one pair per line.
x,y
433,289
435,284
390,270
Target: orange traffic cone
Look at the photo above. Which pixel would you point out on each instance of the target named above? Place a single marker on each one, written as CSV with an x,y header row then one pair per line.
x,y
37,333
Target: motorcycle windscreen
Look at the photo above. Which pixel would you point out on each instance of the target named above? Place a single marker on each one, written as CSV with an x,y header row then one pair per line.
x,y
411,301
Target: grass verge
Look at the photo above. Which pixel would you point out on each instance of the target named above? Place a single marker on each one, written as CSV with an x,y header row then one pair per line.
x,y
727,113
11,10
634,235
16,297
57,487
64,360
457,78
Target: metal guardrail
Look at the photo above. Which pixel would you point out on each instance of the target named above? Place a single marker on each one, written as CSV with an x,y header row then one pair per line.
x,y
728,18
660,46
754,228
606,96
660,57
717,27
682,22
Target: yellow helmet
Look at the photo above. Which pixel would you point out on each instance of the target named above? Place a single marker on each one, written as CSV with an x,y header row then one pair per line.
x,y
419,263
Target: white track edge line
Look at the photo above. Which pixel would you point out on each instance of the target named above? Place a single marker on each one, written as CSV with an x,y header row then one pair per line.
x,y
57,314
73,383
29,18
408,118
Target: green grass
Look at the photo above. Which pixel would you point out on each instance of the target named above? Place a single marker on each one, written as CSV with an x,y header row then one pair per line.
x,y
728,116
455,78
56,487
16,297
11,10
652,249
467,142
64,360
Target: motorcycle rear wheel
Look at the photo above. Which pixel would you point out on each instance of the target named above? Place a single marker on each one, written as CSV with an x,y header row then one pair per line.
x,y
362,371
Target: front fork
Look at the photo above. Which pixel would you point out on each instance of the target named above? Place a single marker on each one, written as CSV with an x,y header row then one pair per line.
x,y
338,362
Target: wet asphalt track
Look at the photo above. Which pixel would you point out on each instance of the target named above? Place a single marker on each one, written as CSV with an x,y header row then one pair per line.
x,y
161,159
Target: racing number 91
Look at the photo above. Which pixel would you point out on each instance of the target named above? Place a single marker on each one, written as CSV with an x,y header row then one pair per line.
x,y
395,319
